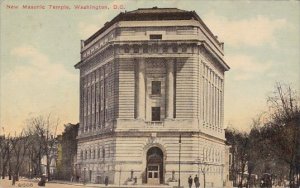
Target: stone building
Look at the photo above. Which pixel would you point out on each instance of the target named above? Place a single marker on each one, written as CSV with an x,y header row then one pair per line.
x,y
148,77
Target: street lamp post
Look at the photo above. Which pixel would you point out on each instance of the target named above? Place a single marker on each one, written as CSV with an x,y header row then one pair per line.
x,y
84,176
179,160
120,174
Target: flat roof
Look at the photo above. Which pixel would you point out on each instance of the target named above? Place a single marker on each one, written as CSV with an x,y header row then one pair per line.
x,y
150,14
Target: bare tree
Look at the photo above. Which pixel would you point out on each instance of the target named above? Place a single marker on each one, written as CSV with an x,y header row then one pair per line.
x,y
19,148
5,151
45,128
204,168
282,132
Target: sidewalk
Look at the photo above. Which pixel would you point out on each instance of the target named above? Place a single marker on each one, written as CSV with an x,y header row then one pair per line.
x,y
109,185
33,183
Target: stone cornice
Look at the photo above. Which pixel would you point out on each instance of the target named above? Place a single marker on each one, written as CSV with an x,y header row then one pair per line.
x,y
109,50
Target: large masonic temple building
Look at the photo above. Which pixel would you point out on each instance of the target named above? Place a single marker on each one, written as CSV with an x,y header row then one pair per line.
x,y
151,100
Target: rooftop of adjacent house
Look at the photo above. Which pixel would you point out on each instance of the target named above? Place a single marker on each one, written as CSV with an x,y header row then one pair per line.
x,y
147,14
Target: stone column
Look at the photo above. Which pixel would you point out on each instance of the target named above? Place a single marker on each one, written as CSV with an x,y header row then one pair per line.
x,y
141,102
170,90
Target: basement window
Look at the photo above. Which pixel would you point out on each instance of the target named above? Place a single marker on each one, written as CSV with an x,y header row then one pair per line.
x,y
155,37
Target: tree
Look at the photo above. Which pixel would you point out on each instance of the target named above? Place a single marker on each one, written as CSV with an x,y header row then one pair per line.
x,y
45,128
68,146
5,151
19,147
282,132
239,142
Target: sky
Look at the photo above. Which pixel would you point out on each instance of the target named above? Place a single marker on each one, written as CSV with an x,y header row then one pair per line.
x,y
39,48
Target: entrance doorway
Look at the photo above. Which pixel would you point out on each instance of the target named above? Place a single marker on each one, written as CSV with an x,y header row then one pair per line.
x,y
154,171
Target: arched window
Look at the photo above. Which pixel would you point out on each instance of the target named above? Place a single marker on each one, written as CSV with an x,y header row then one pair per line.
x,y
81,155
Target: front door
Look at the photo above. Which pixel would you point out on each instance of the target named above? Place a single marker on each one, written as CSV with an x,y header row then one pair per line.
x,y
153,174
154,168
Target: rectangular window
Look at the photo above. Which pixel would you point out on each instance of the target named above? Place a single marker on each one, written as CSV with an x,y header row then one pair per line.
x,y
126,49
184,48
135,49
175,48
155,37
145,49
155,113
156,88
165,49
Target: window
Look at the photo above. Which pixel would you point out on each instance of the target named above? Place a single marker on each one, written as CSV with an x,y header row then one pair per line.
x,y
126,49
175,49
155,37
184,48
81,155
155,113
136,49
103,153
156,88
145,49
165,48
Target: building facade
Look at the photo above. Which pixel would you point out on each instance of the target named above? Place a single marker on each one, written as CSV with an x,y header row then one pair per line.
x,y
148,77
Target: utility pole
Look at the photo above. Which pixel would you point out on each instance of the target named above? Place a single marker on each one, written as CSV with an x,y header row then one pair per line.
x,y
179,161
120,174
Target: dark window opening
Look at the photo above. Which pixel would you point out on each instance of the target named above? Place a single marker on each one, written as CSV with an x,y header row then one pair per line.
x,y
126,49
135,49
184,48
103,153
155,113
175,49
156,88
165,49
145,49
155,37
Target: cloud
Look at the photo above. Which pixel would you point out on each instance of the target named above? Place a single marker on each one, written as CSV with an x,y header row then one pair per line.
x,y
36,85
38,66
256,31
246,67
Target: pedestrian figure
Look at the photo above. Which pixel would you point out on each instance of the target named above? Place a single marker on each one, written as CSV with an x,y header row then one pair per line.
x,y
14,180
42,182
196,181
106,180
190,180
